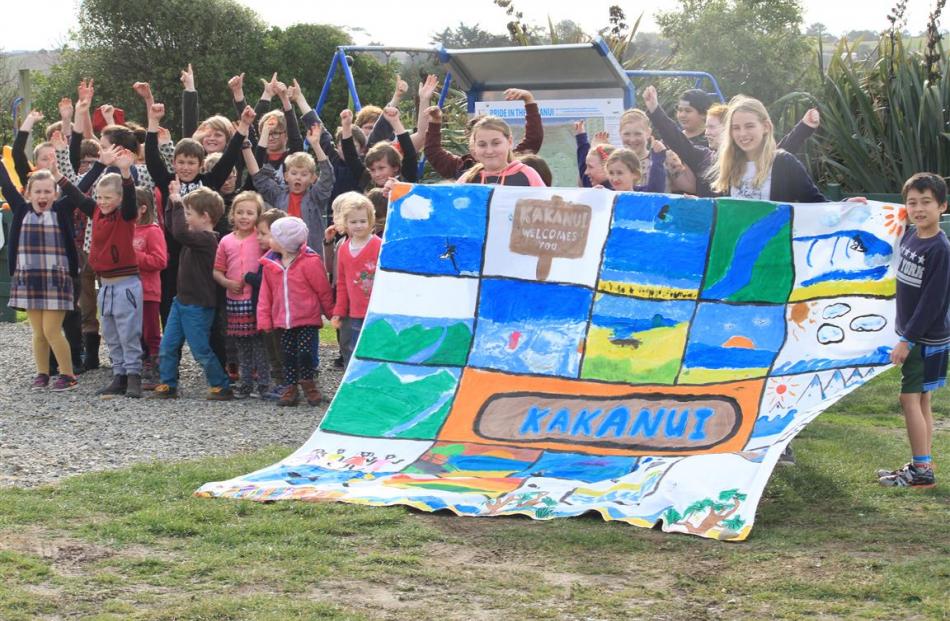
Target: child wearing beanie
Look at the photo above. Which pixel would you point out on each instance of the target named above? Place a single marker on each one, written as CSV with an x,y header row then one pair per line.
x,y
295,295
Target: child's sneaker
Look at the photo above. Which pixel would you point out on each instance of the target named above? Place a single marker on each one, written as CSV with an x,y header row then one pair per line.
x,y
164,391
881,472
787,458
259,391
913,476
40,382
64,382
243,391
272,394
220,393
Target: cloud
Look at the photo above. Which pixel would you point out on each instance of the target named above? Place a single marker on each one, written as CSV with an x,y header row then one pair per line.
x,y
415,207
462,202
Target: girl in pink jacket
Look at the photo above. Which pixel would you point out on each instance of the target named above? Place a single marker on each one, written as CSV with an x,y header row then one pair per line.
x,y
295,294
152,256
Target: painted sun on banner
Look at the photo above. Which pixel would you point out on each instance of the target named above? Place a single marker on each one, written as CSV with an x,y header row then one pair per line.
x,y
554,351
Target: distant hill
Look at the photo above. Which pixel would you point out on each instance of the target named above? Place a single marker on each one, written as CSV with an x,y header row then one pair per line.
x,y
41,60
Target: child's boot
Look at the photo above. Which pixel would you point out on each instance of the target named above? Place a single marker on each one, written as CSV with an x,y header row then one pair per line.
x,y
116,387
150,373
290,396
311,392
133,386
90,353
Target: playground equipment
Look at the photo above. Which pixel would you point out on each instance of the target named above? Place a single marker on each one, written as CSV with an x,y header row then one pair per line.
x,y
579,67
582,81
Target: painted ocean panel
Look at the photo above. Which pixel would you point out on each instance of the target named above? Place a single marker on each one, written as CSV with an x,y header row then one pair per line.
x,y
439,233
657,246
636,341
730,342
528,327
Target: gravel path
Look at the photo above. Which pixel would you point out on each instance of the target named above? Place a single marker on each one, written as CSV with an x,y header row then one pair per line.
x,y
46,436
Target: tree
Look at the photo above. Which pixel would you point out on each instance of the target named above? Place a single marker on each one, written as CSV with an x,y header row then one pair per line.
x,y
304,52
752,47
465,37
118,43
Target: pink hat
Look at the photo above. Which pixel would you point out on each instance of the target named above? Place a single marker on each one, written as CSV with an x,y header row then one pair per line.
x,y
290,232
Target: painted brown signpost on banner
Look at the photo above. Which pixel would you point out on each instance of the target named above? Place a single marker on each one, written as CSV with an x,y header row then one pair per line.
x,y
549,228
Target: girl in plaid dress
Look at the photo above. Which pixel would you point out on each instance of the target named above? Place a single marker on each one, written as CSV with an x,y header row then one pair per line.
x,y
43,262
239,253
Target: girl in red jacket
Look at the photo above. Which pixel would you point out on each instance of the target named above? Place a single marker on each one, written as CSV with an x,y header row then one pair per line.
x,y
152,256
356,262
295,294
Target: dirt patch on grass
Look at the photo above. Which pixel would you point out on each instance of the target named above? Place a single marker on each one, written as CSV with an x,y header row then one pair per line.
x,y
66,555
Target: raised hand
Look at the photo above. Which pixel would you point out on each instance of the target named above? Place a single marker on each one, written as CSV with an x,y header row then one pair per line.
x,y
164,136
434,113
59,141
236,84
247,119
579,128
144,90
658,146
279,89
108,113
650,99
174,190
427,89
812,118
519,93
124,160
30,120
156,111
86,90
401,89
298,93
188,78
314,133
600,137
65,110
346,117
109,155
269,87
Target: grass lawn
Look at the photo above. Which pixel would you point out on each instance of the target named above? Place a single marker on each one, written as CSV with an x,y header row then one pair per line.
x,y
828,541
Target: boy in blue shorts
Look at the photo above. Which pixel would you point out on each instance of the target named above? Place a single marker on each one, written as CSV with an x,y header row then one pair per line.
x,y
923,299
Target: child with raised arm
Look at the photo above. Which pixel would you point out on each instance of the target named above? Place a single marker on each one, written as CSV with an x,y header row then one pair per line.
x,y
186,162
923,299
356,262
43,262
382,160
295,295
192,219
152,256
452,166
495,163
239,253
112,256
307,186
700,158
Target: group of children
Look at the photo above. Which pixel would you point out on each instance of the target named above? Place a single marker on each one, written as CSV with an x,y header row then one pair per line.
x,y
238,259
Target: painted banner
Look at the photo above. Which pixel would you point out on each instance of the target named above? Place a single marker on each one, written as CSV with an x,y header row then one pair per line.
x,y
554,351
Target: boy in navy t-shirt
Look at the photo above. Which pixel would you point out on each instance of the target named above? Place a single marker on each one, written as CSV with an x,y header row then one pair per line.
x,y
923,299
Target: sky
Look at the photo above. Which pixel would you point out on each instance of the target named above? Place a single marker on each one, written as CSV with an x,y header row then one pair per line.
x,y
413,22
